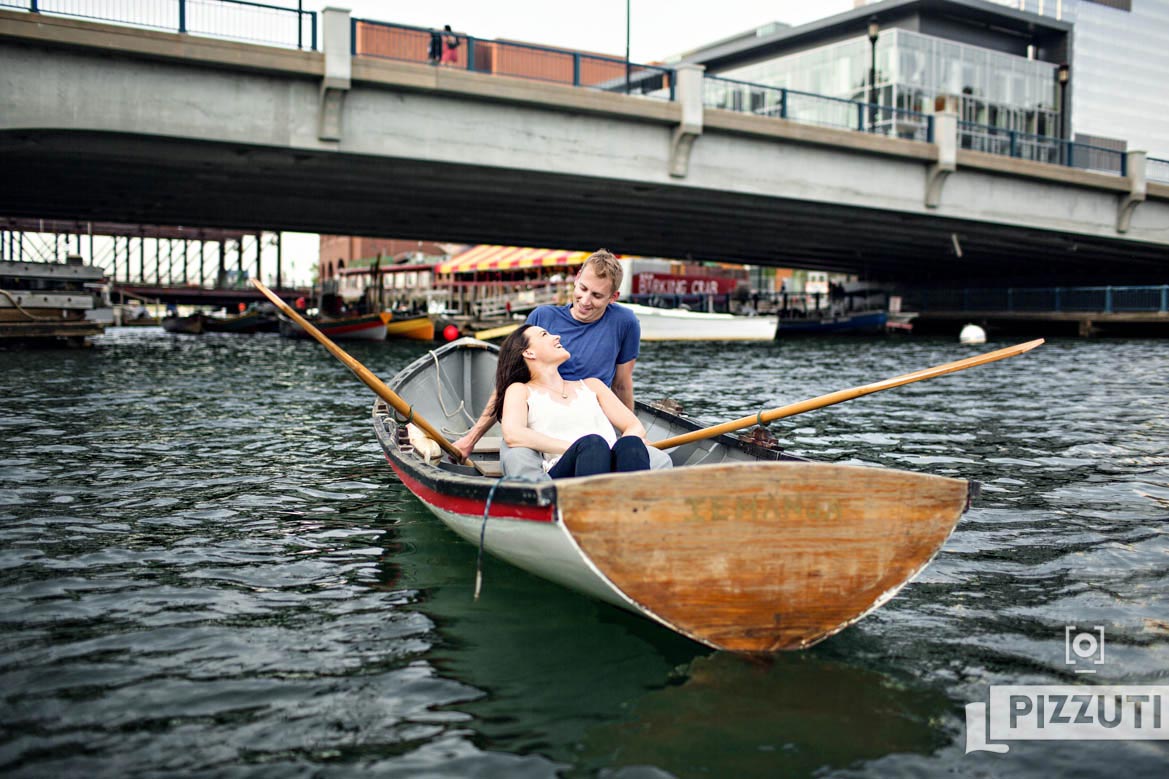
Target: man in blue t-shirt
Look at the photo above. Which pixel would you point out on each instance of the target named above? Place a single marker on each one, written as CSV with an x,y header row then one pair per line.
x,y
603,339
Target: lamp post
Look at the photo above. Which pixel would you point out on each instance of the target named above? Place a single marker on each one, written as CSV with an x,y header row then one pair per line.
x,y
627,46
1063,74
874,31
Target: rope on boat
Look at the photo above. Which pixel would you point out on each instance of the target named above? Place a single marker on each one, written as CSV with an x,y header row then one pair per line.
x,y
462,403
20,308
483,527
483,536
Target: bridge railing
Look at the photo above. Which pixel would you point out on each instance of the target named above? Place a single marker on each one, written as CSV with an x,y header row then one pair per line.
x,y
1040,148
822,110
1042,299
242,20
506,58
1157,169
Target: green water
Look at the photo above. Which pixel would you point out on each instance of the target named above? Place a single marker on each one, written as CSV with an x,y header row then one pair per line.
x,y
207,569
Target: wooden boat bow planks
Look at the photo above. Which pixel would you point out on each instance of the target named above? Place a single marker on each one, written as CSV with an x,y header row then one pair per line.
x,y
752,557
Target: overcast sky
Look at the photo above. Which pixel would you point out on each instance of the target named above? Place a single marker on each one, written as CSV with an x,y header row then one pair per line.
x,y
657,30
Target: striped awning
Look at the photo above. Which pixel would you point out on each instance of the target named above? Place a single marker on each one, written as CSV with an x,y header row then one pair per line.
x,y
486,257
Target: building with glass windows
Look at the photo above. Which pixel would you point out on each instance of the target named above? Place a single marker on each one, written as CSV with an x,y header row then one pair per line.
x,y
1000,61
1118,85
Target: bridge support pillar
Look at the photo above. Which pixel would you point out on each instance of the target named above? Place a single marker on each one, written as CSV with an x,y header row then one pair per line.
x,y
946,140
338,46
1137,187
689,94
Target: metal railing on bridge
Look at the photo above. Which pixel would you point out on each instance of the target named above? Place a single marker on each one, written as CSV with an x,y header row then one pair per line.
x,y
506,58
1040,148
1157,169
822,110
241,20
1106,300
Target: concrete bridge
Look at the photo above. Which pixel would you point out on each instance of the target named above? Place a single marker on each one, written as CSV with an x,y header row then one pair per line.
x,y
105,122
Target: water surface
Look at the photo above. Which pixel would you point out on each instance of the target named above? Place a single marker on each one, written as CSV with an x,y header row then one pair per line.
x,y
207,569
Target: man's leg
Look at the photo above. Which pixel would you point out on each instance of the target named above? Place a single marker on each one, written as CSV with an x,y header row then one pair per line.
x,y
658,459
522,463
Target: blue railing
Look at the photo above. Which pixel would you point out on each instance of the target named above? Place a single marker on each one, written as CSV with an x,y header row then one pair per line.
x,y
1157,169
240,20
1042,299
808,108
1040,148
523,60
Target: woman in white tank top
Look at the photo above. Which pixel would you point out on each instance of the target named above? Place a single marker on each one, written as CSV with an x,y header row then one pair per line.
x,y
573,424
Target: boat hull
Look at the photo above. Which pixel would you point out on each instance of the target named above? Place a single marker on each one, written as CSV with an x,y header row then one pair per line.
x,y
866,322
248,322
185,325
366,327
420,328
671,324
740,547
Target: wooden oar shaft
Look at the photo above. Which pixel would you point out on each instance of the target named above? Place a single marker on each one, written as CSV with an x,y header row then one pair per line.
x,y
363,373
847,394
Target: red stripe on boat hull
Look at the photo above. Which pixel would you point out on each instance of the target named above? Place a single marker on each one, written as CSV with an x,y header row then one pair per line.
x,y
471,506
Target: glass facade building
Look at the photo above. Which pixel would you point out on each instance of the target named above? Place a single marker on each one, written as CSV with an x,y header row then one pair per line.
x,y
993,88
1119,86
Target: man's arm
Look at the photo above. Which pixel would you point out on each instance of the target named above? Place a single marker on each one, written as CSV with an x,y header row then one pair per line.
x,y
466,444
622,385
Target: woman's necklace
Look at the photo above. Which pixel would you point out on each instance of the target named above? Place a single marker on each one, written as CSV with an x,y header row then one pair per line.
x,y
563,390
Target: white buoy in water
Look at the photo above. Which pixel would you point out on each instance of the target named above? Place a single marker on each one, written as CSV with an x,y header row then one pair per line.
x,y
972,334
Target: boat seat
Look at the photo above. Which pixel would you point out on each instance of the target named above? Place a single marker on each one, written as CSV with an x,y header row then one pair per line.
x,y
487,446
491,468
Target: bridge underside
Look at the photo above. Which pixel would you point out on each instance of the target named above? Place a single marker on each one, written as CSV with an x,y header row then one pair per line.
x,y
152,180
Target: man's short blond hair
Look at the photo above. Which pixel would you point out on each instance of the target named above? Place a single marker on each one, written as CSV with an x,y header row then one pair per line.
x,y
606,266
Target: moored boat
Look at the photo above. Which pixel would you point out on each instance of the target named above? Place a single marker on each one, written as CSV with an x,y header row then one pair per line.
x,y
252,320
677,324
828,322
192,324
740,546
416,328
357,327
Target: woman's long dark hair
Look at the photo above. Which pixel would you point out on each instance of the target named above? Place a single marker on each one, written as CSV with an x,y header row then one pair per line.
x,y
511,367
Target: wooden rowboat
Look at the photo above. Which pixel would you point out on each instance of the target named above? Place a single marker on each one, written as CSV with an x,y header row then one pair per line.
x,y
739,547
250,321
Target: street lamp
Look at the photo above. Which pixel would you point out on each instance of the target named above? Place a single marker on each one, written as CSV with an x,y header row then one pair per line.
x,y
874,31
627,46
1063,74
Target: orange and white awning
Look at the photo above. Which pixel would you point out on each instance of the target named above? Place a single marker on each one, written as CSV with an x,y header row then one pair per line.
x,y
487,257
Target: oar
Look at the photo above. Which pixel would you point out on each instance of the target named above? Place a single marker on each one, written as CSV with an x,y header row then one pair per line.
x,y
363,373
848,394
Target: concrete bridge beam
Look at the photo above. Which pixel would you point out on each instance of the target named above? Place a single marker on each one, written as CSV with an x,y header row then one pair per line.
x,y
688,91
337,39
1138,190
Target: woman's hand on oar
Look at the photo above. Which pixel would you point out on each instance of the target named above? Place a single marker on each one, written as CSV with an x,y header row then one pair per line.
x,y
363,373
848,394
